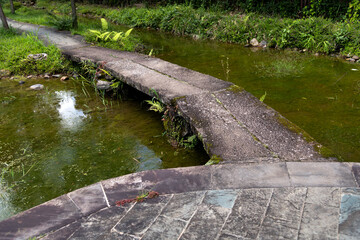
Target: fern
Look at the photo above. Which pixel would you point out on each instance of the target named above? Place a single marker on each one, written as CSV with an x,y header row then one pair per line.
x,y
104,24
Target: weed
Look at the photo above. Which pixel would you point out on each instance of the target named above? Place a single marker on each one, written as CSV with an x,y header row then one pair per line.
x,y
140,198
155,105
262,99
213,160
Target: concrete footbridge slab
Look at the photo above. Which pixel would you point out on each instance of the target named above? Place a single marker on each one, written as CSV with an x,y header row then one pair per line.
x,y
273,182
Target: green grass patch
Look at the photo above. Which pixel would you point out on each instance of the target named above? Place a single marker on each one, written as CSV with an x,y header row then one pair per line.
x,y
15,48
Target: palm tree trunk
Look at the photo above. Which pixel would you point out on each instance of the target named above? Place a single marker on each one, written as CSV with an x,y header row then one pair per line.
x,y
3,18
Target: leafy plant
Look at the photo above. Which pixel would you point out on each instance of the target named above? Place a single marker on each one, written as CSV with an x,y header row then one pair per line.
x,y
106,36
155,105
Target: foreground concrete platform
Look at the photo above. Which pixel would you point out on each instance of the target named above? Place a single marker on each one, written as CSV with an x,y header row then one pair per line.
x,y
272,184
296,200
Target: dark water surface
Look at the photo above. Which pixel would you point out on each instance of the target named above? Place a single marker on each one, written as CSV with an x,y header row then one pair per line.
x,y
319,94
57,140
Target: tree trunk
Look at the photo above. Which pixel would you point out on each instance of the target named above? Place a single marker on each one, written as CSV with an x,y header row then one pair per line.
x,y
12,7
74,16
3,18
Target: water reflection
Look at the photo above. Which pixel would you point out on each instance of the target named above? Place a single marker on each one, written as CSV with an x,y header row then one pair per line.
x,y
6,208
71,118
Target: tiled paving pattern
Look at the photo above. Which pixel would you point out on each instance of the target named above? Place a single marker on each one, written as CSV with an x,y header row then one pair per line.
x,y
262,213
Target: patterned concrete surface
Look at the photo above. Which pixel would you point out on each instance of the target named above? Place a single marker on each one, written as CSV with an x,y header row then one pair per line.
x,y
261,213
230,201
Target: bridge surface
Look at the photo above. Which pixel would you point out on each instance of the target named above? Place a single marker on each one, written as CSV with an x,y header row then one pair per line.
x,y
272,184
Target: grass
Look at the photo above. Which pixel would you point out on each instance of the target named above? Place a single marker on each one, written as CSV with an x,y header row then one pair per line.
x,y
15,48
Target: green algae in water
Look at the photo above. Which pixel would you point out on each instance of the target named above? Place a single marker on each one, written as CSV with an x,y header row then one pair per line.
x,y
57,140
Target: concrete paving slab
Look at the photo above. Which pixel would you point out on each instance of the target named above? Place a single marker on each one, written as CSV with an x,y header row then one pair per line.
x,y
210,216
356,172
164,229
225,236
183,179
41,219
142,216
318,174
221,134
183,206
145,79
64,232
279,134
89,199
349,222
116,235
49,35
183,74
248,213
94,54
229,176
321,214
128,186
283,215
99,224
221,198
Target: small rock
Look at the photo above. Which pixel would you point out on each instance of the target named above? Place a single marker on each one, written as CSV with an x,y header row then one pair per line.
x,y
21,82
46,76
57,75
30,76
12,78
37,87
254,42
355,57
196,37
98,75
263,44
64,78
4,73
351,60
103,85
316,54
37,57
